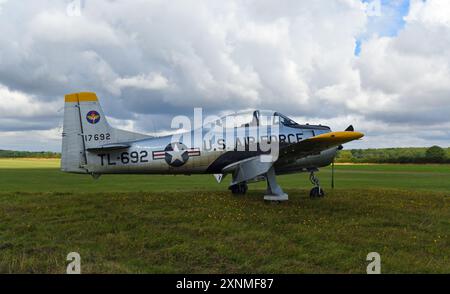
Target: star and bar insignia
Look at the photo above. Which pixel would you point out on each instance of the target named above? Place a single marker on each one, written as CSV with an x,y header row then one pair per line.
x,y
176,154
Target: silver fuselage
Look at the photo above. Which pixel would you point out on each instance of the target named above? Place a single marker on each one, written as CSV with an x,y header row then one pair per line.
x,y
149,156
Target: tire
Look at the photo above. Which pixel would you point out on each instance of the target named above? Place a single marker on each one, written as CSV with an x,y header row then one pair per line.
x,y
316,192
239,189
244,188
234,189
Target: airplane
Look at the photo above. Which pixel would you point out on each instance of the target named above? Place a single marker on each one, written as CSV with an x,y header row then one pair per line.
x,y
91,146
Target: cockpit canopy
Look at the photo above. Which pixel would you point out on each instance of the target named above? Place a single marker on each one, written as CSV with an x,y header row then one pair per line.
x,y
254,118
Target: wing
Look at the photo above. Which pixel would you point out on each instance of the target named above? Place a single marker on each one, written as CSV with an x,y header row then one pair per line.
x,y
316,144
247,169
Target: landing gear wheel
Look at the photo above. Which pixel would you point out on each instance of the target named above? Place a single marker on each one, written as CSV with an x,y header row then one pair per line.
x,y
240,188
271,202
316,192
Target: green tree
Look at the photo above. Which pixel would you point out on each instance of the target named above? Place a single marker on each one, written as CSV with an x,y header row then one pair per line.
x,y
435,154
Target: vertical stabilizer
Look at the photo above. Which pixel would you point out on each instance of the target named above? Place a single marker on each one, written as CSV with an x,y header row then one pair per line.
x,y
73,154
85,127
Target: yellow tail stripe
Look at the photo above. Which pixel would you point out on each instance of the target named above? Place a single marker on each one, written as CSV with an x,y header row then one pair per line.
x,y
81,97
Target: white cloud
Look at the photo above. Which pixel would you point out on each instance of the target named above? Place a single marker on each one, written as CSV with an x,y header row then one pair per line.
x,y
1,3
430,12
18,105
407,78
54,26
153,81
163,58
34,140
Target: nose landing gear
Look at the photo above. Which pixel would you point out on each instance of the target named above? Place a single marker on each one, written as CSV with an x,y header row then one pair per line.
x,y
316,191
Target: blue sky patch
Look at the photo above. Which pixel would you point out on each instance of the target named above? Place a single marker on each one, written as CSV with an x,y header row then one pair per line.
x,y
385,18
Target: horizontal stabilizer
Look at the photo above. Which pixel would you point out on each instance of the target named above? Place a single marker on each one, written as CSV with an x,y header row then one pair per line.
x,y
109,147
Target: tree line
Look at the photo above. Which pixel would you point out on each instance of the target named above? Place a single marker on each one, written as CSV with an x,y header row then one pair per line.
x,y
28,154
434,154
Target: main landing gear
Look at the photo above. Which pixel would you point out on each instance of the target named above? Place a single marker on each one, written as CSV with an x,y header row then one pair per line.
x,y
316,191
239,189
274,192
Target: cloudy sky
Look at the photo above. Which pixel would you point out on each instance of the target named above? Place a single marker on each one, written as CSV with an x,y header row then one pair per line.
x,y
383,66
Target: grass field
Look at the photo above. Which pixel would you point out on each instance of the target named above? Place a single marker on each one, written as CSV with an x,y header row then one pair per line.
x,y
191,224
